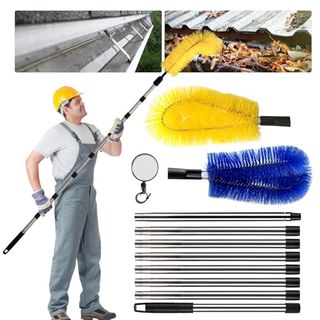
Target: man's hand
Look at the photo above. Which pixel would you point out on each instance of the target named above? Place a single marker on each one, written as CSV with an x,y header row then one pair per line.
x,y
117,130
43,203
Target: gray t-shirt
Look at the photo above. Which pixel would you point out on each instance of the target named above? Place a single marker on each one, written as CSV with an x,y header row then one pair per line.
x,y
58,144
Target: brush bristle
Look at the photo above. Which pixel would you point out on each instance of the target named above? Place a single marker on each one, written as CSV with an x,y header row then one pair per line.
x,y
267,175
196,115
201,42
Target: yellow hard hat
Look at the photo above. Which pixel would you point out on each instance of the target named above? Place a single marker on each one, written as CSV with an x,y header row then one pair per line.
x,y
63,95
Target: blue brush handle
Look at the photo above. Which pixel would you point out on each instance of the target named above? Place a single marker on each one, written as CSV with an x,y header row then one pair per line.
x,y
177,173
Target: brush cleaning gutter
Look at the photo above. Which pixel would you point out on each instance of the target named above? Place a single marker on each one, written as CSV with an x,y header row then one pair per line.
x,y
255,41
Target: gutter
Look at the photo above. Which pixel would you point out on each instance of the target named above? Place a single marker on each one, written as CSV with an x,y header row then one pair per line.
x,y
31,38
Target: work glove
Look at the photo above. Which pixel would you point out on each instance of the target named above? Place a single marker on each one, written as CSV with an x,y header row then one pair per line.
x,y
43,203
117,130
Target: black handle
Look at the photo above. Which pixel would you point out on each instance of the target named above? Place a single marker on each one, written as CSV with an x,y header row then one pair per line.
x,y
21,234
13,242
293,256
292,308
159,79
292,231
292,282
292,269
275,121
292,243
164,307
292,295
294,216
177,173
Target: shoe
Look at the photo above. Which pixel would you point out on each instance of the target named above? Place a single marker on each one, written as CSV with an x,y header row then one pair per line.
x,y
100,314
60,316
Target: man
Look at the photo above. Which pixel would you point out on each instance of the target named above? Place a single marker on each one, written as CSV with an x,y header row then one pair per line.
x,y
77,235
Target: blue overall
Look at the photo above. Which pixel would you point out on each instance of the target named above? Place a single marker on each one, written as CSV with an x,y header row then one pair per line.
x,y
77,236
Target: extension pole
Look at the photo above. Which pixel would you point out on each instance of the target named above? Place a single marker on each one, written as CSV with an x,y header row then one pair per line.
x,y
216,216
287,231
156,82
288,269
218,295
180,307
218,256
219,243
287,282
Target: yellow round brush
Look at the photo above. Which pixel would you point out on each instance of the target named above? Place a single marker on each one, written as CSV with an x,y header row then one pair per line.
x,y
197,115
200,42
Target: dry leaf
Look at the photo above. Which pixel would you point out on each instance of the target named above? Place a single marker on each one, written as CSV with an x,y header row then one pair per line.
x,y
214,62
240,56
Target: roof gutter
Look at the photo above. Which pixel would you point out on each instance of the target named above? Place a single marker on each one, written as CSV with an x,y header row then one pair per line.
x,y
31,38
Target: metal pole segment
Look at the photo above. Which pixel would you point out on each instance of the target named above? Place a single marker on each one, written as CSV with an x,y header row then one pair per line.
x,y
218,282
207,219
216,216
217,231
286,308
218,269
221,256
210,233
286,213
203,229
219,295
32,221
218,243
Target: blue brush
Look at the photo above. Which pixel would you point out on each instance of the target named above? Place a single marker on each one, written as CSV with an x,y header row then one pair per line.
x,y
268,175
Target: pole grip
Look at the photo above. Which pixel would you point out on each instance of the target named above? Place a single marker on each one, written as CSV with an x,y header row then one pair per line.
x,y
292,295
275,121
292,269
292,243
292,256
292,231
21,234
292,282
159,79
292,308
159,307
13,242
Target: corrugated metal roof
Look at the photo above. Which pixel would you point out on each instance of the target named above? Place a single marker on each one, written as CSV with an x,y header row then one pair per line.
x,y
242,21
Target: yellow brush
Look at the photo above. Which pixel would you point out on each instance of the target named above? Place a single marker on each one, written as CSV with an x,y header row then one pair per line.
x,y
196,115
201,42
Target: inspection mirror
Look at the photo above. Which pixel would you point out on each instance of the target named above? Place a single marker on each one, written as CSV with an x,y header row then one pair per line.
x,y
144,167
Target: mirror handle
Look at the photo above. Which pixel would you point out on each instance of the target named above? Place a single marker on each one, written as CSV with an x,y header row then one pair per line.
x,y
144,193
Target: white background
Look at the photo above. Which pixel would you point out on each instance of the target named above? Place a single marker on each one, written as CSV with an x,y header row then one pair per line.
x,y
27,111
